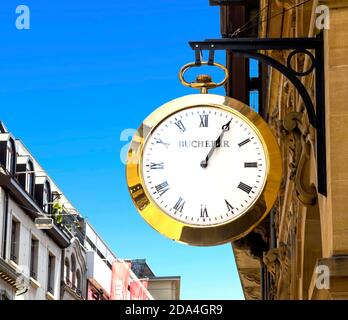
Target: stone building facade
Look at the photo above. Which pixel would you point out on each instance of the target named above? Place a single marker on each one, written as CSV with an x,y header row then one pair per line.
x,y
36,263
60,259
301,250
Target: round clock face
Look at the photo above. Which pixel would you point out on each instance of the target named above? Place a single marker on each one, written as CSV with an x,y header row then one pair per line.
x,y
204,165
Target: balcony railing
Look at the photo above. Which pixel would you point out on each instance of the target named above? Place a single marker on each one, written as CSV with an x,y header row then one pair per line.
x,y
75,225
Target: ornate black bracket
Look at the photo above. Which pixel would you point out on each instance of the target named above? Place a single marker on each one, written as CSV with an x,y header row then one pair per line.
x,y
249,47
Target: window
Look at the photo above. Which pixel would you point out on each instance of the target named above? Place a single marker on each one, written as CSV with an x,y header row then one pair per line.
x,y
15,228
9,157
67,271
73,270
46,197
50,273
29,178
34,256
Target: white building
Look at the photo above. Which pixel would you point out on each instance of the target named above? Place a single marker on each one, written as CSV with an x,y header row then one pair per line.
x,y
67,260
99,267
30,258
161,288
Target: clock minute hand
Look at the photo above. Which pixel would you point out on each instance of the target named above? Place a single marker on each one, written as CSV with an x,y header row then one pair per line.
x,y
217,143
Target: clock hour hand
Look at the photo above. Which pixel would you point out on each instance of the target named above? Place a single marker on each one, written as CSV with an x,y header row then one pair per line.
x,y
217,144
204,163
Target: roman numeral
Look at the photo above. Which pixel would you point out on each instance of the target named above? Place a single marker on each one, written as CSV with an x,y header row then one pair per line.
x,y
204,120
229,207
162,188
204,212
250,164
179,205
244,142
157,165
244,187
180,125
161,142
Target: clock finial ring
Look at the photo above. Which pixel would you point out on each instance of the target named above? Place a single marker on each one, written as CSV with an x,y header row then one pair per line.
x,y
202,85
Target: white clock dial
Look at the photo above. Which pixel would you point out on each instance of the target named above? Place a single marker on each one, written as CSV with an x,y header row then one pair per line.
x,y
197,178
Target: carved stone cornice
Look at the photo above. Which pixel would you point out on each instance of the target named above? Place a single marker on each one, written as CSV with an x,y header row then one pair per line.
x,y
270,260
276,262
249,269
252,293
307,194
299,148
291,120
251,276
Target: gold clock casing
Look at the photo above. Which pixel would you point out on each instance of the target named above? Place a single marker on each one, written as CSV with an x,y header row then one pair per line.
x,y
193,234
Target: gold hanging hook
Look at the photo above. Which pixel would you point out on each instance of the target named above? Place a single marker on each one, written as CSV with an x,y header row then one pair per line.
x,y
203,82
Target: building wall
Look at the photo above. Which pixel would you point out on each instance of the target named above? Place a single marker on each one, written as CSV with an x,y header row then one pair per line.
x,y
37,289
164,289
78,250
74,272
311,229
279,259
2,217
63,241
98,273
308,229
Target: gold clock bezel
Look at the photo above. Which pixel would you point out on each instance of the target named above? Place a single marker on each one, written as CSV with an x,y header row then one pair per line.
x,y
196,234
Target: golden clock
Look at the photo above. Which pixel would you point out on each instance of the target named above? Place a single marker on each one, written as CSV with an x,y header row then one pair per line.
x,y
203,169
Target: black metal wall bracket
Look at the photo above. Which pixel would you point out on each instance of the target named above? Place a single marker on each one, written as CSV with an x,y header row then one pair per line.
x,y
249,47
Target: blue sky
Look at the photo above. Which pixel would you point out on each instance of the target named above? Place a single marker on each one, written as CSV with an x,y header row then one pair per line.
x,y
84,72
